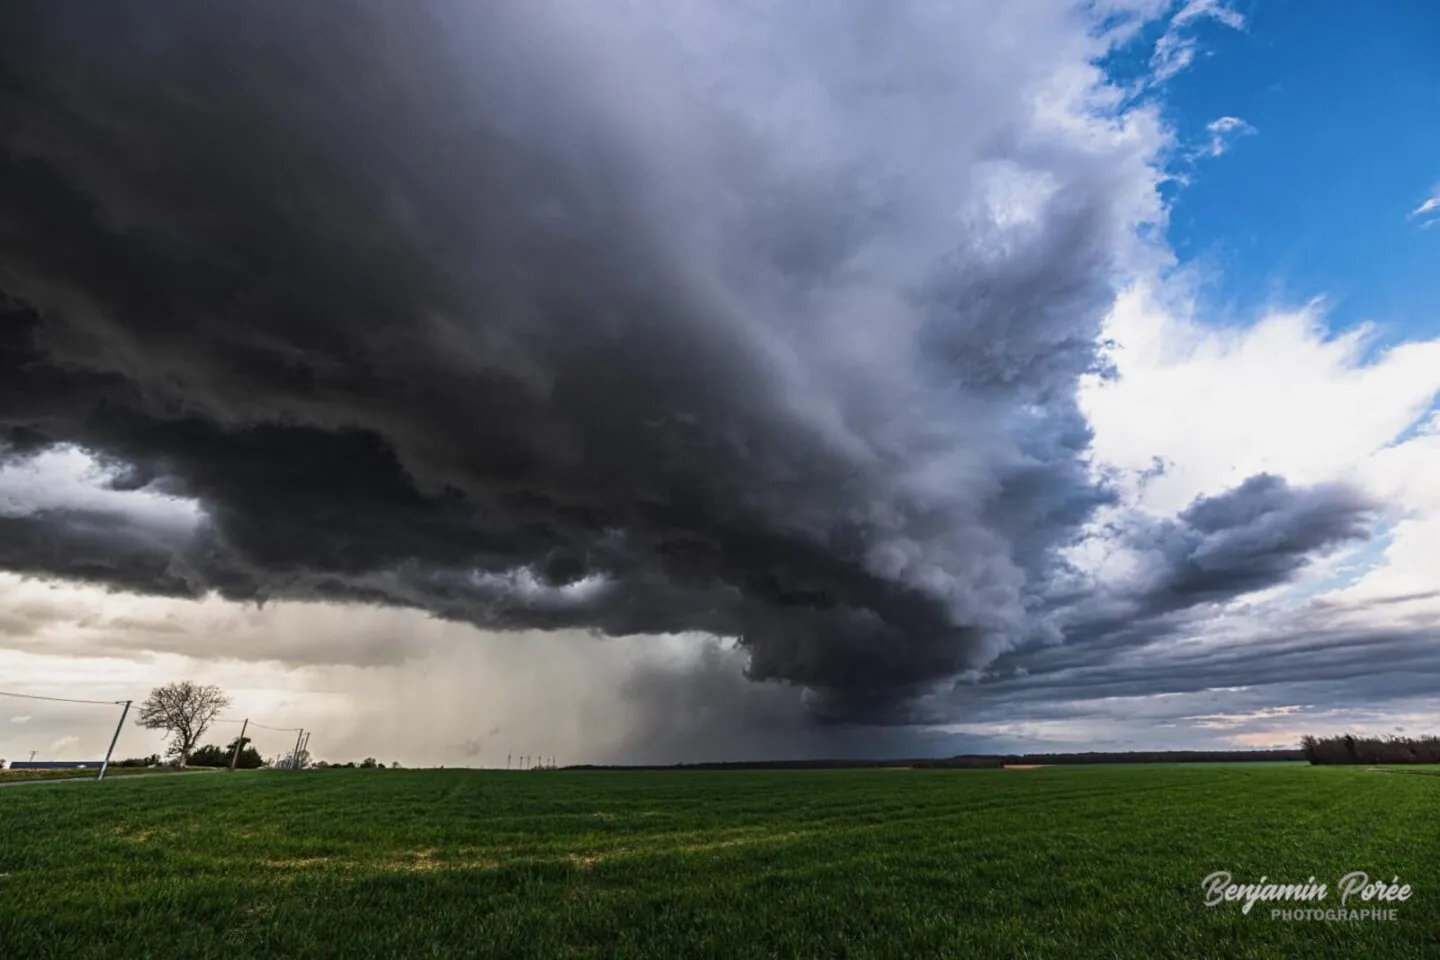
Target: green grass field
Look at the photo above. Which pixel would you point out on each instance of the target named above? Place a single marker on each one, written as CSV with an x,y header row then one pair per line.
x,y
1054,862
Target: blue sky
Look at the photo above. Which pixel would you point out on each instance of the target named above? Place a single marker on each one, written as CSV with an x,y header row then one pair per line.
x,y
1344,100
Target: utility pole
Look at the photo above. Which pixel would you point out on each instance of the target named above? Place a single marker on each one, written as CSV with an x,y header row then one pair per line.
x,y
239,742
105,764
305,748
295,754
507,761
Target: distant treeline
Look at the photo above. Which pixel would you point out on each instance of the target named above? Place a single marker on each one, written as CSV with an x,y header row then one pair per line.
x,y
1162,756
971,762
800,764
1352,749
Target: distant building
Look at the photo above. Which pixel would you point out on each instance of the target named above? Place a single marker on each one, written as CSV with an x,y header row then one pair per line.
x,y
54,765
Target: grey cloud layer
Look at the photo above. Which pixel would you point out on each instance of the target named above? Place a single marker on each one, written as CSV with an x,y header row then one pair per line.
x,y
715,318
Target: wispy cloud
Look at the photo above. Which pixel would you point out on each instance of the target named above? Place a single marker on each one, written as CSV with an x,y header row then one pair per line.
x,y
1214,9
1429,209
21,719
1223,133
1175,50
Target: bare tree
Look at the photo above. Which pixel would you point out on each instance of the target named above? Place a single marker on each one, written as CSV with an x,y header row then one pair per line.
x,y
184,710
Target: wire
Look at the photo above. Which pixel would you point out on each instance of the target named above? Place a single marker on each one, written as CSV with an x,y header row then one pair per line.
x,y
31,696
261,725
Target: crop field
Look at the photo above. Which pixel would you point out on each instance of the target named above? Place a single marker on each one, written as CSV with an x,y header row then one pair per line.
x,y
13,776
1050,862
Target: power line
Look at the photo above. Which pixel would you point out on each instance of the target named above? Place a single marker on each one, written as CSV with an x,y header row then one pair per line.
x,y
31,696
260,725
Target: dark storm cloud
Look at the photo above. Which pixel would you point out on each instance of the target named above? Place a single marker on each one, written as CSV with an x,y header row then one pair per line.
x,y
1326,672
1158,636
1252,537
91,547
534,316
